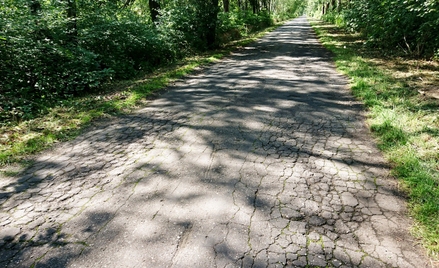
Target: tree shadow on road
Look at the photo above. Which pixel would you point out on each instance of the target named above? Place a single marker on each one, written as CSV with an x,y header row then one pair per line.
x,y
185,180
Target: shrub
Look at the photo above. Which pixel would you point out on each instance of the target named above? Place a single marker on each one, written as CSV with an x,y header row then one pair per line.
x,y
411,26
40,64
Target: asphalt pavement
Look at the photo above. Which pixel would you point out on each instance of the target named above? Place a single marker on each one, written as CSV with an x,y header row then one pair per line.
x,y
261,160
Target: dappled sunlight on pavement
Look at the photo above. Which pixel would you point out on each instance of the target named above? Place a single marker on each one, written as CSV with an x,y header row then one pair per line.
x,y
263,160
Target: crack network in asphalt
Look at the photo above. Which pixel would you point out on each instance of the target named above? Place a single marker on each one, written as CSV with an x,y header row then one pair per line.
x,y
262,160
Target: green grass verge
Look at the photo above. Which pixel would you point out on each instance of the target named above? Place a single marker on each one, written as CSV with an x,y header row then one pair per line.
x,y
405,122
18,140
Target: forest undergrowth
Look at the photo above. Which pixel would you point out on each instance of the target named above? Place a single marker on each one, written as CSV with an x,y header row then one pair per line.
x,y
69,117
66,63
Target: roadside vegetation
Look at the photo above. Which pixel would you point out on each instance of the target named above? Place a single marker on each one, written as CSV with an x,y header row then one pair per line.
x,y
66,63
398,82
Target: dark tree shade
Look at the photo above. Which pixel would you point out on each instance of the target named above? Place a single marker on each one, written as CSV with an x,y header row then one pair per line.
x,y
226,4
154,7
35,6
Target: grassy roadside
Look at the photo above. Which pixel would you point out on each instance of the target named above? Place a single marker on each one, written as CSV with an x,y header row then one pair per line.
x,y
400,95
18,140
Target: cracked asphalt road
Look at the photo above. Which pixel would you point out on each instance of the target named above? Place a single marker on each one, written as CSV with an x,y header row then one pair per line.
x,y
263,160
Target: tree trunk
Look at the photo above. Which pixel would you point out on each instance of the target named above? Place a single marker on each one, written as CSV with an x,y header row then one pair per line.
x,y
338,6
226,6
154,7
333,5
253,4
213,16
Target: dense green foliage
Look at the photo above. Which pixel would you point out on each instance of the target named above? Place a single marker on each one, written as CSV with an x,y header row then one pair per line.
x,y
411,26
63,122
53,50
